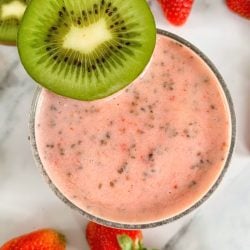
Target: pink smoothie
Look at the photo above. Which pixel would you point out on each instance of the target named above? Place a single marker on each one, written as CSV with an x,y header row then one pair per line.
x,y
147,153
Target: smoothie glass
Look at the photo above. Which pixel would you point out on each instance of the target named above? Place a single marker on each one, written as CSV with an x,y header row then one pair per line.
x,y
164,220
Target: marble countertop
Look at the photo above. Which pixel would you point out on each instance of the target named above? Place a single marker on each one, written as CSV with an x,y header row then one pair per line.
x,y
222,223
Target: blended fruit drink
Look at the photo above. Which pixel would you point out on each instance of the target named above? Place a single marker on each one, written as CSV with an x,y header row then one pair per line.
x,y
145,154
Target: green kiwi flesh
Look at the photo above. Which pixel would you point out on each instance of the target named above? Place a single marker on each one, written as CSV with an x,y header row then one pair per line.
x,y
86,49
11,12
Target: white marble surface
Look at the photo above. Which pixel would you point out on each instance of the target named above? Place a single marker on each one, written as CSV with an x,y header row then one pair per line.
x,y
222,223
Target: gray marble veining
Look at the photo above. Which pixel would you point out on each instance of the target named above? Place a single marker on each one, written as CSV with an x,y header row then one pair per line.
x,y
226,224
222,223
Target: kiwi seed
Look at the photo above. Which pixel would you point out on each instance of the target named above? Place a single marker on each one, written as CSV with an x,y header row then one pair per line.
x,y
86,49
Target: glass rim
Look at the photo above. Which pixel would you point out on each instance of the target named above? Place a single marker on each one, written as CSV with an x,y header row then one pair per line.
x,y
146,225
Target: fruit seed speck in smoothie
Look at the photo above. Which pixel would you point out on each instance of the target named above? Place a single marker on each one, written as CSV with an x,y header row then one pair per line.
x,y
145,154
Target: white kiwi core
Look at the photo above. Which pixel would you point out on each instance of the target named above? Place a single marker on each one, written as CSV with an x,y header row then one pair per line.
x,y
14,9
87,39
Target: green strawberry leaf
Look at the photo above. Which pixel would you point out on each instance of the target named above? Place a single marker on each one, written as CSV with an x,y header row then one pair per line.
x,y
125,242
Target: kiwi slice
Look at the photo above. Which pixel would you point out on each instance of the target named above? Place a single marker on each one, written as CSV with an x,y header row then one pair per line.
x,y
86,49
11,12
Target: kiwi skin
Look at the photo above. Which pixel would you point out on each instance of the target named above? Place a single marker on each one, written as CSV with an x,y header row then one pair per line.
x,y
67,86
8,43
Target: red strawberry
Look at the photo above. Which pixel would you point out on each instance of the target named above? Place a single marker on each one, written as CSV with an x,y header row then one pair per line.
x,y
241,7
104,238
45,239
176,11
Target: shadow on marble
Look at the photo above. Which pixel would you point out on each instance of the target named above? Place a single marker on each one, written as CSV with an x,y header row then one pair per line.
x,y
247,128
224,223
8,77
243,114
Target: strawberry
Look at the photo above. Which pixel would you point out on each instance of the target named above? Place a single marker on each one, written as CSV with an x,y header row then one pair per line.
x,y
241,7
104,238
45,239
176,11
